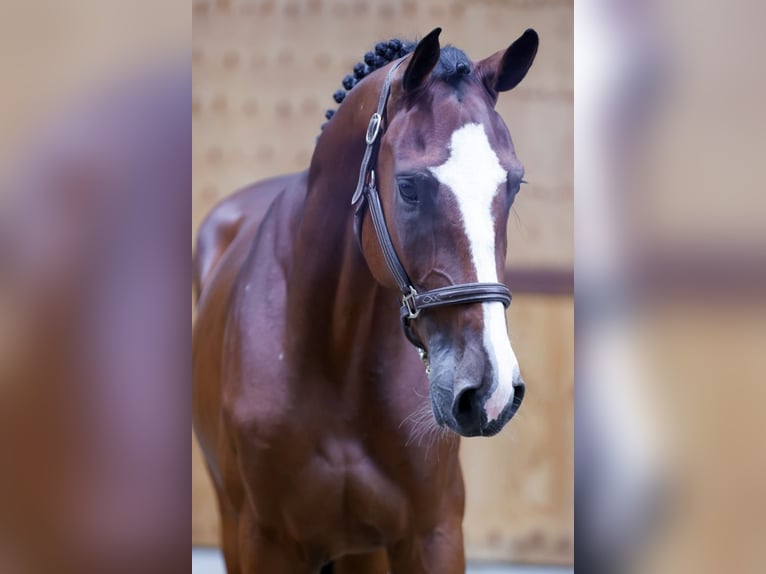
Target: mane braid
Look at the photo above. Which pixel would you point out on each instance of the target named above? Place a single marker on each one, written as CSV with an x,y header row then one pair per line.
x,y
383,53
453,65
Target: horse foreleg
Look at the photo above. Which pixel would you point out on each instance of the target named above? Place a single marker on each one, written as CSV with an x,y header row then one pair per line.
x,y
439,551
230,541
260,553
229,530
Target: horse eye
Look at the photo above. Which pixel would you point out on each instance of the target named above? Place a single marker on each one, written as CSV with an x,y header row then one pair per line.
x,y
407,190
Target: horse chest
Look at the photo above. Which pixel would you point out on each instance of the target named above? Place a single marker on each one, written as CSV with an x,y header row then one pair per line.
x,y
332,494
328,462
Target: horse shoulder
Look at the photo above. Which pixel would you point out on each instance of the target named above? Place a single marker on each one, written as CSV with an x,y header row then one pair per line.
x,y
244,209
228,241
256,366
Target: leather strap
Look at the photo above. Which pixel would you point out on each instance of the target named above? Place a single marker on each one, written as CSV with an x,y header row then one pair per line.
x,y
384,239
366,194
374,129
459,295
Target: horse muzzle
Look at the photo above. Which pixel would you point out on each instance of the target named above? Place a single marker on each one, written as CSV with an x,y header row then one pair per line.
x,y
464,395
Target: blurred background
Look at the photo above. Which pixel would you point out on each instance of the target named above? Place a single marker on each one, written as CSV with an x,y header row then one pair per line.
x,y
95,154
670,236
264,72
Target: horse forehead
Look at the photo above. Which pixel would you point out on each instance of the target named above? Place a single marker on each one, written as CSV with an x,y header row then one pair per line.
x,y
472,164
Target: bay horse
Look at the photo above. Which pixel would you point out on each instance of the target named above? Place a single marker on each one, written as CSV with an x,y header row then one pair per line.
x,y
351,326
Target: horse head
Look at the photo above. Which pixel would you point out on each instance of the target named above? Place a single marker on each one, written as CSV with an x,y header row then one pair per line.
x,y
447,175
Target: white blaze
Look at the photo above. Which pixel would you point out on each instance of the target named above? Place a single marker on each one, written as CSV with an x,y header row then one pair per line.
x,y
474,174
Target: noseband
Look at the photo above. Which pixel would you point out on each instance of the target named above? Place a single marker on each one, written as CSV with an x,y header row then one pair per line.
x,y
366,194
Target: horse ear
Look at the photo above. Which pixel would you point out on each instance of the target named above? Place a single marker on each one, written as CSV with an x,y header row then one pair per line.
x,y
423,60
503,71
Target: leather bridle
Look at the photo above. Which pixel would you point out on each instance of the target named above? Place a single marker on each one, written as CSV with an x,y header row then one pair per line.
x,y
366,194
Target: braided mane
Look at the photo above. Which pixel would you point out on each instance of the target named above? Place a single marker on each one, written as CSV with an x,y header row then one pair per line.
x,y
453,66
384,53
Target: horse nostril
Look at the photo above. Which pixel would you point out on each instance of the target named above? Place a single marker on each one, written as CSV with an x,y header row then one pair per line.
x,y
464,404
518,396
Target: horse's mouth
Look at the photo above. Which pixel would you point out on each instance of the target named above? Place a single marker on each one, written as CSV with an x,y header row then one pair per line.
x,y
477,424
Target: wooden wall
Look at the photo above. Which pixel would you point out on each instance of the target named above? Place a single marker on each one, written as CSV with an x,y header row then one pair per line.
x,y
264,73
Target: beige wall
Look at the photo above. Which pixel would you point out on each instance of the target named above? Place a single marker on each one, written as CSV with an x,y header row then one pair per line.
x,y
264,73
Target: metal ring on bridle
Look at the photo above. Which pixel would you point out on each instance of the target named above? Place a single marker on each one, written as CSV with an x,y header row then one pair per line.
x,y
373,128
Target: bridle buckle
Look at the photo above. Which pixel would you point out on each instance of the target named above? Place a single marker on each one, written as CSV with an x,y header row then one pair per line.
x,y
409,303
373,128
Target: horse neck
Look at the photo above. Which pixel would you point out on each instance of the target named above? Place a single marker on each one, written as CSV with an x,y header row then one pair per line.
x,y
334,300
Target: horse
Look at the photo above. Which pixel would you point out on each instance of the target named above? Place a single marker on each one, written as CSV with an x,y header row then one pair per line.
x,y
351,326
